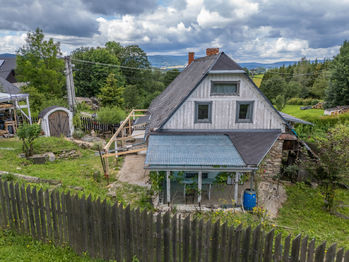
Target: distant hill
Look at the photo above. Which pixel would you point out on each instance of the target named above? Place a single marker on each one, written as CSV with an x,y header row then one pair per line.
x,y
171,61
7,55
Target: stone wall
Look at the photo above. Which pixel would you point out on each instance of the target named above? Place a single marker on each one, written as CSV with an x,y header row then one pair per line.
x,y
271,164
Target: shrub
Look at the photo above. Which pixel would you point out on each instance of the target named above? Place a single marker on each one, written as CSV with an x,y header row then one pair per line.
x,y
110,115
28,133
303,101
78,133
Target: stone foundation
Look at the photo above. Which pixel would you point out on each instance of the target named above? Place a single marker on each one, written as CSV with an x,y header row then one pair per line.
x,y
271,164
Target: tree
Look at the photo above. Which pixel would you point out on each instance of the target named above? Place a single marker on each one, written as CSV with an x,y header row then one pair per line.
x,y
319,86
112,92
331,168
338,91
170,75
39,65
89,78
280,102
28,133
273,87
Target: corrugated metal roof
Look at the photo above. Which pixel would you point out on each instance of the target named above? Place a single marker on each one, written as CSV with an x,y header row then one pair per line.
x,y
192,150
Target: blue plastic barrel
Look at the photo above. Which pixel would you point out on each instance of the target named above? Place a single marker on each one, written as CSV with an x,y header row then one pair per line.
x,y
250,199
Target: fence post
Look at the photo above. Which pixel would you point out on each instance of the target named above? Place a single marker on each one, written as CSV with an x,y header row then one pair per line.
x,y
24,210
223,243
295,248
19,208
3,205
339,256
237,243
30,209
256,243
166,232
285,257
246,245
331,252
311,251
214,247
320,252
304,249
42,214
278,248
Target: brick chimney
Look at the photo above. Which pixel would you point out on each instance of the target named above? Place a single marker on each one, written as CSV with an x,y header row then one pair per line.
x,y
212,51
191,57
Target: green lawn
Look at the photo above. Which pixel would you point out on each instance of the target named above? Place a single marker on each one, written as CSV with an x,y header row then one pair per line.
x,y
302,213
294,110
72,173
15,247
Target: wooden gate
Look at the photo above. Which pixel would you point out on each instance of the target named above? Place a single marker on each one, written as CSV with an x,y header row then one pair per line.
x,y
59,123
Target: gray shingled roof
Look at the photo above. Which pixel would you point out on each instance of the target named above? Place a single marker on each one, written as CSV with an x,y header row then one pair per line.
x,y
7,87
253,146
8,65
163,106
226,63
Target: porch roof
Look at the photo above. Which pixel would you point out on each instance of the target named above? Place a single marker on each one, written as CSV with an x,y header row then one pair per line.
x,y
214,151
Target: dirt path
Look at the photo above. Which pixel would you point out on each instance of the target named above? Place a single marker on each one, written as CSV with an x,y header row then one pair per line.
x,y
132,170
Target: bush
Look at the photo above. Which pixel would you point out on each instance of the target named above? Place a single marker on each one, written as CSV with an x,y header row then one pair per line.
x,y
110,115
78,133
303,101
28,133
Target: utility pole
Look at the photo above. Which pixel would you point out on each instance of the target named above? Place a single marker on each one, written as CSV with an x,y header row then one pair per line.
x,y
70,83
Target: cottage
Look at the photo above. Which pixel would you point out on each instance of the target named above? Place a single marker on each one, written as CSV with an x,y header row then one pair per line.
x,y
212,129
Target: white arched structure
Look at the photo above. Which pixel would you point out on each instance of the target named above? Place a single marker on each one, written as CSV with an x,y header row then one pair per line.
x,y
45,122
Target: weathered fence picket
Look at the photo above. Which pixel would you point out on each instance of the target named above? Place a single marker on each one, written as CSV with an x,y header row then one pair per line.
x,y
114,232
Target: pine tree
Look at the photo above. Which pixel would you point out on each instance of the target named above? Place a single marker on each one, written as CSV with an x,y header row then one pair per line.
x,y
338,91
111,94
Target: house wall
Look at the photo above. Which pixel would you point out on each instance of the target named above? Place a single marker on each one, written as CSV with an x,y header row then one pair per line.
x,y
224,107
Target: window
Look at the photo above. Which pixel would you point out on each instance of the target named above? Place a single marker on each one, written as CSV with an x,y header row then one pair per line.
x,y
224,88
203,112
244,111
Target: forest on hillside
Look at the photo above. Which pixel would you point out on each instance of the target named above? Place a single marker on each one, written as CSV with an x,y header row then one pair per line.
x,y
327,80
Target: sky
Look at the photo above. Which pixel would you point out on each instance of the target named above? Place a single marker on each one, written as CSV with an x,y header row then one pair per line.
x,y
247,30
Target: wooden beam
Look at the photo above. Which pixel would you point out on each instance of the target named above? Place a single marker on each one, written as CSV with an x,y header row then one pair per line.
x,y
236,187
199,186
168,187
126,152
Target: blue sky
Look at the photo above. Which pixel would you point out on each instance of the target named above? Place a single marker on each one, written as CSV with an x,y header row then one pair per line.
x,y
248,30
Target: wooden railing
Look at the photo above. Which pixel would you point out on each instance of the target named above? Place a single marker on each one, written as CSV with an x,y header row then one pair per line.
x,y
125,131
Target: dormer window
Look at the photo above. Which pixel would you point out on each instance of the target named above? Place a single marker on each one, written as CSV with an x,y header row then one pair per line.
x,y
225,88
244,111
203,112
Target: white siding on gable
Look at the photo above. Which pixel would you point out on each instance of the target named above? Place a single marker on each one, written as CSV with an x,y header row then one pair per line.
x,y
224,107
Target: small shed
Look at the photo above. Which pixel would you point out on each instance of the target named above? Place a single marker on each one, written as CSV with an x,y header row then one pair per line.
x,y
57,121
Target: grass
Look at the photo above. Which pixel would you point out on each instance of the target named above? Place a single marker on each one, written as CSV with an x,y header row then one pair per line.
x,y
294,110
257,79
15,247
77,175
302,213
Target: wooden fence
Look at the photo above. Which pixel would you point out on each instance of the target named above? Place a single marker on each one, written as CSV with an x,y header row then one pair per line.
x,y
115,232
88,124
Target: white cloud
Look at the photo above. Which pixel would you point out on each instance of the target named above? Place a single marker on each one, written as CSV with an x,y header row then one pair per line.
x,y
11,42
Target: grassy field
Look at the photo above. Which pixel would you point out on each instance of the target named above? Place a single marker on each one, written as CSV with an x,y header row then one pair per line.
x,y
15,247
294,110
257,79
77,175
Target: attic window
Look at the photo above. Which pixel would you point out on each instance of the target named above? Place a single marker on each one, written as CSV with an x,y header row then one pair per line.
x,y
203,111
244,111
225,88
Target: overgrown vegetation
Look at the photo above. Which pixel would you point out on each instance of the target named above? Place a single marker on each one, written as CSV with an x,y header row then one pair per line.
x,y
15,247
330,168
110,115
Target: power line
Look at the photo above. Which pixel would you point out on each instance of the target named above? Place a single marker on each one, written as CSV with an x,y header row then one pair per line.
x,y
120,66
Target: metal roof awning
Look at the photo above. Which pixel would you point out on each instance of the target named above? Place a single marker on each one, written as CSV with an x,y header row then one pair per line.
x,y
193,152
5,97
